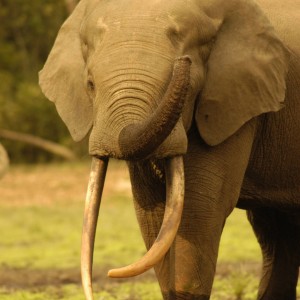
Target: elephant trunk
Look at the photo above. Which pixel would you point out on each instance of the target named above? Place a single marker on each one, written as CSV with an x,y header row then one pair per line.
x,y
151,133
172,217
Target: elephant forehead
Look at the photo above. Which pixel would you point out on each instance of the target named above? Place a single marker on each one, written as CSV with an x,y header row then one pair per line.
x,y
117,24
133,6
119,11
122,19
163,17
138,22
146,30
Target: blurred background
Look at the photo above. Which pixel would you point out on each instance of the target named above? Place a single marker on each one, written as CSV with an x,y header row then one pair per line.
x,y
27,32
42,191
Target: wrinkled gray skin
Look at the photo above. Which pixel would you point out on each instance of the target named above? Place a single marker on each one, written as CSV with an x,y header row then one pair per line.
x,y
4,161
239,130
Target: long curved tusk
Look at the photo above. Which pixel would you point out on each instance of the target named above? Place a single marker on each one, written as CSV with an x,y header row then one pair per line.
x,y
91,211
171,221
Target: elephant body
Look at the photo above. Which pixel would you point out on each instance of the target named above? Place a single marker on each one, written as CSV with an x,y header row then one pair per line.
x,y
236,122
271,191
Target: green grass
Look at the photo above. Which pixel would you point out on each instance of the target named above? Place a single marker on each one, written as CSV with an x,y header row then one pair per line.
x,y
47,237
240,256
146,290
238,242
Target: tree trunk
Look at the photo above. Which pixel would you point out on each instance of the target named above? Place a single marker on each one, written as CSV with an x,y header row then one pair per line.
x,y
38,142
4,161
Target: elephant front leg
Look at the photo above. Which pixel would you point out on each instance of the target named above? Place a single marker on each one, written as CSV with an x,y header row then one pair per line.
x,y
193,260
214,177
193,256
187,270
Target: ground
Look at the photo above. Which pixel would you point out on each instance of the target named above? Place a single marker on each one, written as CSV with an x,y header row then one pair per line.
x,y
41,210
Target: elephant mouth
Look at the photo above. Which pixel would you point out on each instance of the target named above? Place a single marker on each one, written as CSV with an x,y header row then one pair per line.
x,y
150,135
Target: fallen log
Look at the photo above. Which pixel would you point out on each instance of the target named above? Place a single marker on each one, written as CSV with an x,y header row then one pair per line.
x,y
38,142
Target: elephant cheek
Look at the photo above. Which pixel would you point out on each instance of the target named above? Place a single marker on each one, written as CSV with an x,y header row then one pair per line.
x,y
175,144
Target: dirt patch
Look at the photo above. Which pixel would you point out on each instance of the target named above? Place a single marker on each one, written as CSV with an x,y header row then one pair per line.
x,y
27,279
15,278
12,278
47,184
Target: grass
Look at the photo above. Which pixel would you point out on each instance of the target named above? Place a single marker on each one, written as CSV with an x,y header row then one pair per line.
x,y
146,290
239,261
41,218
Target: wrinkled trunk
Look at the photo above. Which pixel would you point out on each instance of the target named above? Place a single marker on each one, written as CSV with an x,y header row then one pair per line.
x,y
174,204
139,140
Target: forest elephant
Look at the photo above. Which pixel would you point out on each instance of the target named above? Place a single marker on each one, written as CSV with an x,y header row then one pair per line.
x,y
201,98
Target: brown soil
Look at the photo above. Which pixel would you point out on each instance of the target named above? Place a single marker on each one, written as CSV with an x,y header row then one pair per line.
x,y
46,184
11,278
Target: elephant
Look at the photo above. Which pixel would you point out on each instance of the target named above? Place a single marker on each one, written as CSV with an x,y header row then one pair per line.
x,y
201,99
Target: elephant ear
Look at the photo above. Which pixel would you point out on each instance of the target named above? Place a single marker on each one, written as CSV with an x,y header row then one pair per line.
x,y
245,74
62,78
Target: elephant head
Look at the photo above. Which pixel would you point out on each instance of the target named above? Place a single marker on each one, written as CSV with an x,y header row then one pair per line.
x,y
137,75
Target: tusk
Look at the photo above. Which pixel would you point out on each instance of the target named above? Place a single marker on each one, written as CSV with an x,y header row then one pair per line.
x,y
91,211
171,221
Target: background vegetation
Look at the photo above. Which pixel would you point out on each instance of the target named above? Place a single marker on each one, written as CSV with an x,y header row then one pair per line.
x,y
27,33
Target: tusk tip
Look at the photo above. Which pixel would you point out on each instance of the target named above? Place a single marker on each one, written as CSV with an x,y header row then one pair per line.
x,y
115,273
110,274
128,271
